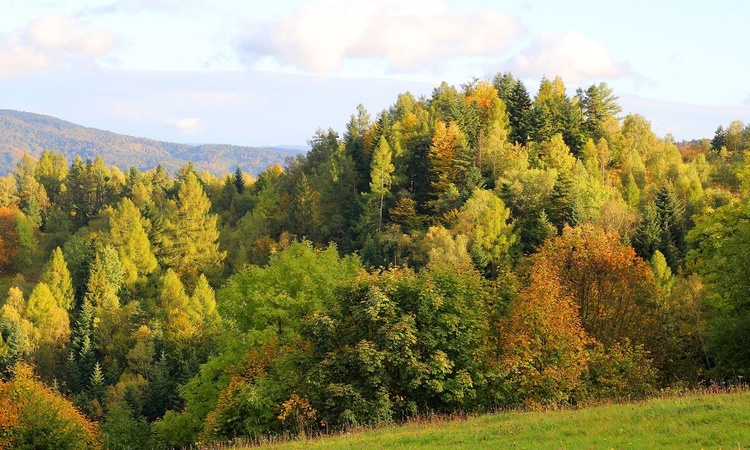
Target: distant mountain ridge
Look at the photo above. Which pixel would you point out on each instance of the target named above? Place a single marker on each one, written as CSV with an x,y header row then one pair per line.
x,y
29,132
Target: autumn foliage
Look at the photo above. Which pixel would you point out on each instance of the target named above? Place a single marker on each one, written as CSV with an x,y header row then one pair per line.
x,y
8,239
543,341
33,415
614,290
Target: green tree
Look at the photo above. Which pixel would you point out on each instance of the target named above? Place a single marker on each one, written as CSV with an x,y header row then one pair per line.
x,y
191,242
721,241
128,236
398,343
491,238
380,174
297,282
105,280
671,212
51,171
520,114
239,180
598,104
57,277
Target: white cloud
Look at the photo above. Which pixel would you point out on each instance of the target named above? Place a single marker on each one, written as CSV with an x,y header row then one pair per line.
x,y
572,56
321,35
50,41
65,34
17,60
188,124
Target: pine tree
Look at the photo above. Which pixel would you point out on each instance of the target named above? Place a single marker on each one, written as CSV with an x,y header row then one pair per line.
x,y
162,394
51,171
95,389
304,212
563,210
671,212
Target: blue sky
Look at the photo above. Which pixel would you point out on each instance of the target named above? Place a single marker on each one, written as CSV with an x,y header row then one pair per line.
x,y
271,73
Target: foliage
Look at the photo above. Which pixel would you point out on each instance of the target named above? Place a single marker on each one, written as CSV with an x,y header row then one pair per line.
x,y
396,344
297,282
459,252
35,416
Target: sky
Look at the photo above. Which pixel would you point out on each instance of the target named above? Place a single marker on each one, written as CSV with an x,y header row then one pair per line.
x,y
263,73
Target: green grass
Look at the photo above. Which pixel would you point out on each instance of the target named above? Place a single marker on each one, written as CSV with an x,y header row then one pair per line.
x,y
706,421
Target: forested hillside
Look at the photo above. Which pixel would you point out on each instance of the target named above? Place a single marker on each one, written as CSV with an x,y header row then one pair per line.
x,y
480,248
22,132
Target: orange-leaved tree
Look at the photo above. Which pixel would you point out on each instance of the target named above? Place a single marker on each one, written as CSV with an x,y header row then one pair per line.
x,y
615,291
33,415
8,238
544,345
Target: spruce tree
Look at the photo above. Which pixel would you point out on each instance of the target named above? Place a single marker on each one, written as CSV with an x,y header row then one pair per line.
x,y
520,114
239,180
671,212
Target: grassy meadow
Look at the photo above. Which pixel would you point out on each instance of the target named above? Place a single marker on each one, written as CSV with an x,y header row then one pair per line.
x,y
705,421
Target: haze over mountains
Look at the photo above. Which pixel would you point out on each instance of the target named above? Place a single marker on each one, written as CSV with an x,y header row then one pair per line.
x,y
28,132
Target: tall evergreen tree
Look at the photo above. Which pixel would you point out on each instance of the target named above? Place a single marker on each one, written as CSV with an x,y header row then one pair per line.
x,y
191,243
598,103
239,180
520,114
671,213
127,235
380,178
57,277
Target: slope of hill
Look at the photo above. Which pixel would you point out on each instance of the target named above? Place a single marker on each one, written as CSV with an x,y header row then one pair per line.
x,y
27,132
695,421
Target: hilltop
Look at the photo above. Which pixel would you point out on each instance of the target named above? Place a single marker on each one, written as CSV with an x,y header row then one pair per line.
x,y
28,132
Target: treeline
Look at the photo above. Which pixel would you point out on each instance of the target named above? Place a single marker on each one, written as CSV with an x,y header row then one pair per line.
x,y
33,133
472,250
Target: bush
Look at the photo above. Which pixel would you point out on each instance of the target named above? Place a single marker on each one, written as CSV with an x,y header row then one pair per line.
x,y
33,416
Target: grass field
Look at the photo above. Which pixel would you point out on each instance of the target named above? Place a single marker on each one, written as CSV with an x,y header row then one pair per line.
x,y
705,421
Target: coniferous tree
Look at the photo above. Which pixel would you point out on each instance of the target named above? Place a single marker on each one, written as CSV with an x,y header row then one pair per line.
x,y
127,235
598,103
520,114
105,280
649,232
671,213
356,145
239,180
304,211
57,277
81,358
51,171
380,175
191,242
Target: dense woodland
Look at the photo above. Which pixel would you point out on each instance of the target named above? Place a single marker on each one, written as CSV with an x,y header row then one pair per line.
x,y
479,249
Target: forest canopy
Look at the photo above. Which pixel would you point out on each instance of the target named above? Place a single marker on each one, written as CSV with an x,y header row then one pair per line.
x,y
477,249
